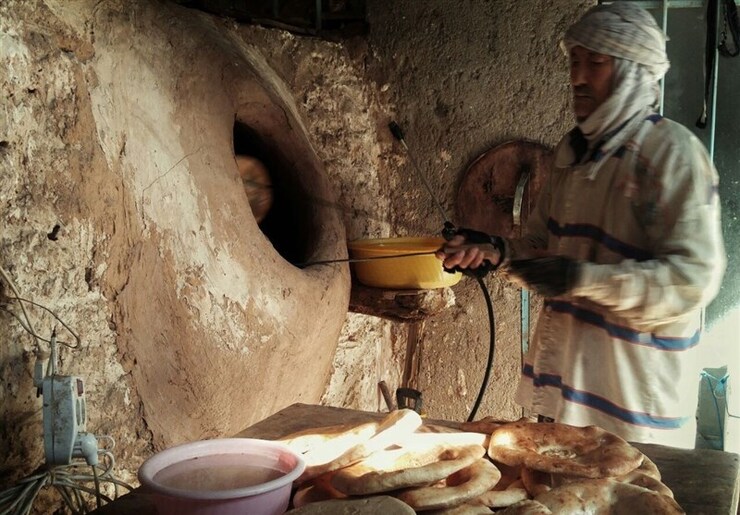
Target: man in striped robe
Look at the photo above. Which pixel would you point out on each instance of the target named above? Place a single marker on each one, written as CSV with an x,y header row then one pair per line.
x,y
628,243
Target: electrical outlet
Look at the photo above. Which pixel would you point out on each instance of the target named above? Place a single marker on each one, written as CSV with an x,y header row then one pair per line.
x,y
65,420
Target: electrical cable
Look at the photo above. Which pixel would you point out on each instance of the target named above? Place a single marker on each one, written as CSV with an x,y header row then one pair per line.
x,y
67,479
14,289
491,348
30,329
98,501
398,134
69,483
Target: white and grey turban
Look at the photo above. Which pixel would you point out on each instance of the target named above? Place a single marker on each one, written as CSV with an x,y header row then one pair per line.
x,y
624,30
629,34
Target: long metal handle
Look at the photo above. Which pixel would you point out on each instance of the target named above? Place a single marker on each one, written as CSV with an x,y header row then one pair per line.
x,y
398,134
360,260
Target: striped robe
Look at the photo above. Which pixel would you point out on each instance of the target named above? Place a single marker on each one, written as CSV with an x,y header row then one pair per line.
x,y
619,351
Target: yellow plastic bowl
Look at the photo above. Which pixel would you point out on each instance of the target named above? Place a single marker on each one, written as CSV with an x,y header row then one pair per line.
x,y
412,272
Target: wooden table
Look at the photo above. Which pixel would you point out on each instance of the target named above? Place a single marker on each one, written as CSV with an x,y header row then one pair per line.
x,y
704,481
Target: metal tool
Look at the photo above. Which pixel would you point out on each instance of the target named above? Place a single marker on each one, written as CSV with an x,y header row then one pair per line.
x,y
449,230
360,260
448,225
408,398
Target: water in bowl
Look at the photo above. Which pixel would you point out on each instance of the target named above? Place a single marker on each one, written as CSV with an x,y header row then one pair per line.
x,y
215,472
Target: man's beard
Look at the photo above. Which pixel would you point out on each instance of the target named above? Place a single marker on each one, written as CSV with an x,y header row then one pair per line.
x,y
585,94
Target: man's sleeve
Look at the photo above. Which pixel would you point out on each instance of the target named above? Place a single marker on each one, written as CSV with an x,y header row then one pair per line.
x,y
689,256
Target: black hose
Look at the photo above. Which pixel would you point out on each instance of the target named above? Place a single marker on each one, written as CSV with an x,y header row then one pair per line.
x,y
491,348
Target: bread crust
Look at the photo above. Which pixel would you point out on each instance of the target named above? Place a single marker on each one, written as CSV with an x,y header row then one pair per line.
x,y
590,451
405,468
459,488
396,426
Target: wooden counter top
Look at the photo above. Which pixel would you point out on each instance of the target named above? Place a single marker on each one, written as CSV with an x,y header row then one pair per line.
x,y
704,481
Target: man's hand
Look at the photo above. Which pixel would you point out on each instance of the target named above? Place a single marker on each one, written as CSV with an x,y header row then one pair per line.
x,y
548,276
470,249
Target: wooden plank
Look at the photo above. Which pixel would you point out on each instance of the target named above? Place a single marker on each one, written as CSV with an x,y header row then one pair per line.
x,y
399,305
134,503
298,417
412,359
704,481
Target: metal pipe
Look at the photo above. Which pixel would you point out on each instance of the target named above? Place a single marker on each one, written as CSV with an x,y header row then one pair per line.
x,y
398,134
675,4
361,260
662,80
715,80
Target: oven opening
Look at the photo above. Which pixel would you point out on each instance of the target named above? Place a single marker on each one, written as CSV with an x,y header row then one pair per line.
x,y
279,201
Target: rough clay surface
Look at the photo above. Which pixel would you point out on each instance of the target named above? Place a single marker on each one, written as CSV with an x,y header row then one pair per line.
x,y
115,125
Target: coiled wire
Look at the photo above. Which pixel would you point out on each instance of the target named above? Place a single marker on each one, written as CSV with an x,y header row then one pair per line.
x,y
77,487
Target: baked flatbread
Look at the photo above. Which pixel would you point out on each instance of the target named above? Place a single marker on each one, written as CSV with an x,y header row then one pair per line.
x,y
590,451
528,507
394,427
457,489
502,498
463,509
317,490
324,444
607,496
421,438
406,467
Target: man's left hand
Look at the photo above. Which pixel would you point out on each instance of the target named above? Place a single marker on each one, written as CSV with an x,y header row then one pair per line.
x,y
472,250
549,276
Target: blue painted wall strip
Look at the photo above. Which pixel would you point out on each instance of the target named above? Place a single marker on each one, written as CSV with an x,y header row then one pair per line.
x,y
525,321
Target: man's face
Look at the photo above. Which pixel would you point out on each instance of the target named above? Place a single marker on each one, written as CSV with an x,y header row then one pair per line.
x,y
591,79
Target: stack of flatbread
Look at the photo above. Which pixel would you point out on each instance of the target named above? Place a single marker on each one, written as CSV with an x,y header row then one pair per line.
x,y
487,467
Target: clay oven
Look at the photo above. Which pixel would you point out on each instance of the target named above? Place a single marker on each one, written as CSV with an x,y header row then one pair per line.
x,y
211,324
232,312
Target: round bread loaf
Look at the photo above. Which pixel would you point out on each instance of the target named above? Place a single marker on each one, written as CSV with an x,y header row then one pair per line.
x,y
590,451
396,426
406,467
607,496
459,488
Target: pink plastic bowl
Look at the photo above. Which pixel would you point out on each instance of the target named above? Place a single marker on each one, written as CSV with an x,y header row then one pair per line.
x,y
267,498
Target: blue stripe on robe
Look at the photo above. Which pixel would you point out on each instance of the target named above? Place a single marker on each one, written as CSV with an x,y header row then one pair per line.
x,y
599,403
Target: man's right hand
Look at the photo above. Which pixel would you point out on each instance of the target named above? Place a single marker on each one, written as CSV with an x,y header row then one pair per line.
x,y
461,252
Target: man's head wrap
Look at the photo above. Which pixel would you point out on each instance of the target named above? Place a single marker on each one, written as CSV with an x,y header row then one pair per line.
x,y
630,35
624,30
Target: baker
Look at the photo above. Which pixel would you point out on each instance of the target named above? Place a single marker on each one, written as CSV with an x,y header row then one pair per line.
x,y
627,239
